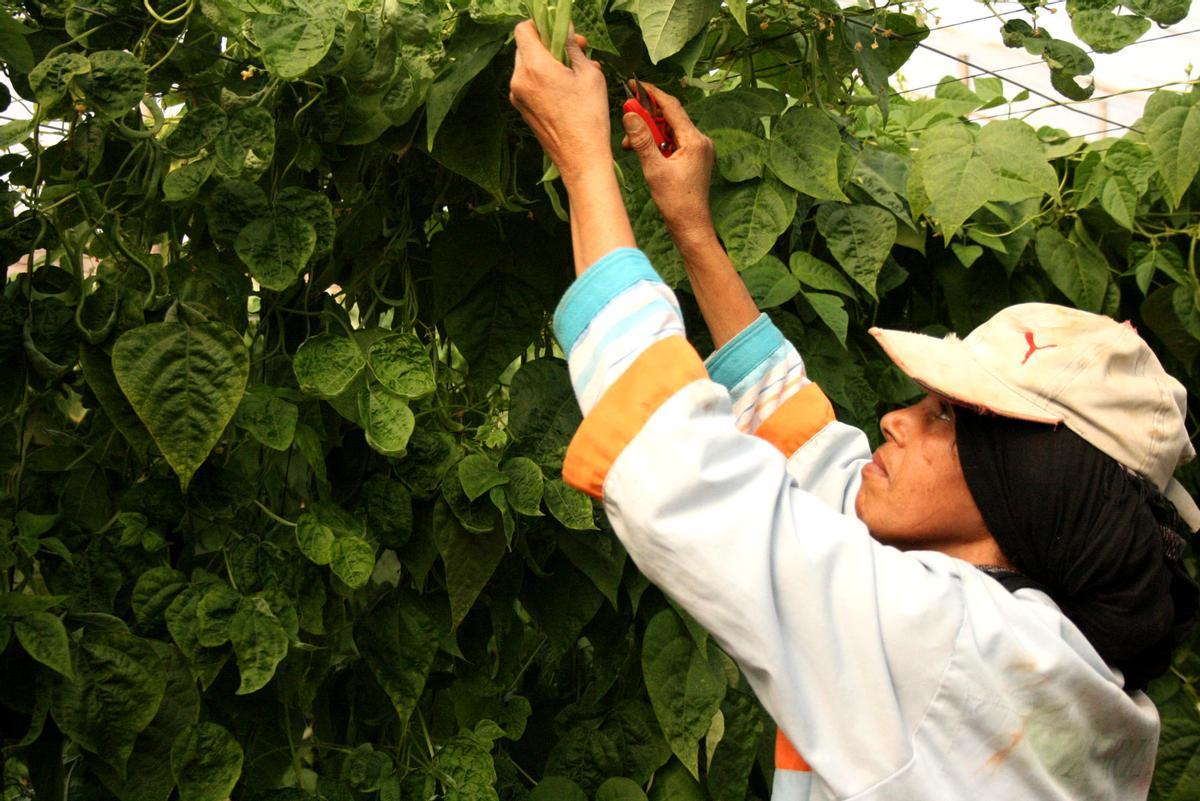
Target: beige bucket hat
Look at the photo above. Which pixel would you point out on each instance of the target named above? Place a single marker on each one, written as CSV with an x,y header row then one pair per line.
x,y
1053,364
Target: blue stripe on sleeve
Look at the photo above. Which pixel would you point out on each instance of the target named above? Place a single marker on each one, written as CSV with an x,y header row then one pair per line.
x,y
615,272
738,357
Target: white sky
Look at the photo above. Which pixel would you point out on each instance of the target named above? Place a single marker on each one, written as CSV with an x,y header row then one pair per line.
x,y
1143,64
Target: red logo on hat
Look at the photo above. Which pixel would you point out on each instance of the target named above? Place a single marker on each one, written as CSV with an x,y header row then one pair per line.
x,y
1032,347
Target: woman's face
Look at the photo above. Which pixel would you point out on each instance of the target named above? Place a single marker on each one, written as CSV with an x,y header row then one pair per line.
x,y
913,493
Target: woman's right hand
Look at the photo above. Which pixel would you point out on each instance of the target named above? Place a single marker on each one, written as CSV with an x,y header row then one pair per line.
x,y
678,183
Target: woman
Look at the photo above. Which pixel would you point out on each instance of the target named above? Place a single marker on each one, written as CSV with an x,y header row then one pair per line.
x,y
973,610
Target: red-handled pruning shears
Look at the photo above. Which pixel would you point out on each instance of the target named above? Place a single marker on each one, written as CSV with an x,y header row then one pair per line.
x,y
644,105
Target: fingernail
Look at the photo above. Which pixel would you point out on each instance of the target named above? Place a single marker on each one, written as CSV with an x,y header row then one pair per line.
x,y
630,121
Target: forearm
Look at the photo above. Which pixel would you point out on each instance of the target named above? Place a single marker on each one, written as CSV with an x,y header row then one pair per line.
x,y
720,292
599,222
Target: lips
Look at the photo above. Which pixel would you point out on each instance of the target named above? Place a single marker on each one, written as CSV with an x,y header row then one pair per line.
x,y
875,467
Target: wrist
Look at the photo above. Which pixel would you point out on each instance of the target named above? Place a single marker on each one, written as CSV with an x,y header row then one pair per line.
x,y
698,236
587,174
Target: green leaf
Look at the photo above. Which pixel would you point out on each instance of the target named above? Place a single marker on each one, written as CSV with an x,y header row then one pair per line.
x,y
569,506
1164,12
15,132
312,207
270,419
618,788
832,311
741,155
477,516
314,538
557,788
115,83
1119,199
51,78
1174,139
804,153
386,419
468,52
1077,271
1145,260
185,383
733,759
817,274
247,145
525,487
470,559
44,637
966,254
259,641
860,238
352,559
473,138
183,183
198,128
154,591
674,783
750,216
325,365
365,768
14,50
770,283
600,558
465,769
478,474
685,685
1106,32
294,42
588,18
276,248
1177,767
149,776
398,640
1133,160
955,174
1017,158
495,324
215,612
206,761
1067,61
184,626
118,686
231,205
401,363
667,25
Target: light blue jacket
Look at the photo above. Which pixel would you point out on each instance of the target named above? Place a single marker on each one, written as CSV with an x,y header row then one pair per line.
x,y
896,675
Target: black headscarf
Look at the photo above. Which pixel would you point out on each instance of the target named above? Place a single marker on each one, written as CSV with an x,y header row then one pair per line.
x,y
1103,543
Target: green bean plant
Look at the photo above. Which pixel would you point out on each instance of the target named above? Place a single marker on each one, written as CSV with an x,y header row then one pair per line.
x,y
282,420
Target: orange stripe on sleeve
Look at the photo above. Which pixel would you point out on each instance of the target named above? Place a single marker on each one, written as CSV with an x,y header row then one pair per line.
x,y
797,420
786,755
790,426
658,373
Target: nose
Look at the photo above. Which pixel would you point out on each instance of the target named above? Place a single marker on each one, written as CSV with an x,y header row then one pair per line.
x,y
896,425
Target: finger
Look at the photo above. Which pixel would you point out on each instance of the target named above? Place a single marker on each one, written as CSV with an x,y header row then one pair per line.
x,y
529,43
625,143
582,40
640,139
673,113
575,52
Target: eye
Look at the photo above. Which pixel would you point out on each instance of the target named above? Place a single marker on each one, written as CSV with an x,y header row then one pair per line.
x,y
941,409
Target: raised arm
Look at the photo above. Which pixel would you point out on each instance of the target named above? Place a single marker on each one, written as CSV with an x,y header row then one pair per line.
x,y
679,185
567,108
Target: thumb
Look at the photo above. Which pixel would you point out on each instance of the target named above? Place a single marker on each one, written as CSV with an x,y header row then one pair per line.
x,y
640,138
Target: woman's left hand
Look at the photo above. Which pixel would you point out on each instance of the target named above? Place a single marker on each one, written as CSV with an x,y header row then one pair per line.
x,y
567,107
